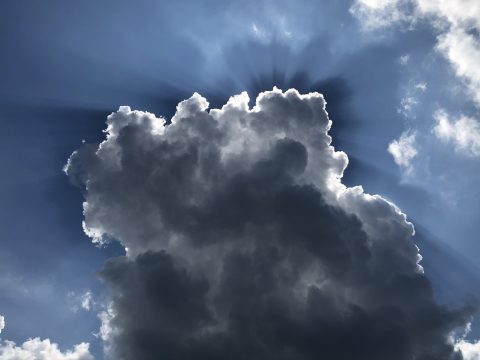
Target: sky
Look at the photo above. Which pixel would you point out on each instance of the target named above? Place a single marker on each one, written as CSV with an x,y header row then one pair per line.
x,y
270,179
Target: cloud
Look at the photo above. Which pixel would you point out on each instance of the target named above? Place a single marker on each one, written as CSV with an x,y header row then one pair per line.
x,y
462,49
36,349
375,14
83,301
407,104
404,149
404,59
422,86
412,99
470,351
243,243
2,323
456,22
463,133
87,301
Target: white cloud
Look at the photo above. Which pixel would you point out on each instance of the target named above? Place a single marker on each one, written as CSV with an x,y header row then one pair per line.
x,y
107,331
422,86
83,301
470,351
453,20
463,132
266,33
2,323
404,59
463,52
464,13
259,32
87,301
36,349
243,143
404,149
375,14
411,99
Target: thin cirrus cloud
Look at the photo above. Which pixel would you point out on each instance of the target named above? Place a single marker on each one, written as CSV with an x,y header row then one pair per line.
x,y
243,242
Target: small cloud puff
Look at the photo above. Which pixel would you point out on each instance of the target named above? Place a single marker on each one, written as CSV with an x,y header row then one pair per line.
x,y
83,301
404,150
463,132
87,301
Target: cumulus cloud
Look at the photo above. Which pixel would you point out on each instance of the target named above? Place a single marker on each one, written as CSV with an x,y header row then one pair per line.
x,y
36,349
243,242
470,351
404,149
463,132
2,323
457,23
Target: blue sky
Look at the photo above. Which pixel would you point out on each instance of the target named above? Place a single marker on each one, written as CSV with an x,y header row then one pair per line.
x,y
385,70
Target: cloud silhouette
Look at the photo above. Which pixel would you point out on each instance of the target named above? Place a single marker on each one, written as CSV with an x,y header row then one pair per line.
x,y
243,243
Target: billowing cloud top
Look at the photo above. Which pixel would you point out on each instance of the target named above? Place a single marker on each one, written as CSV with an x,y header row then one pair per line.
x,y
36,349
243,243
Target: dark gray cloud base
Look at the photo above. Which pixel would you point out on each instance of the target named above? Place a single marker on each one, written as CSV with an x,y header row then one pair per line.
x,y
243,243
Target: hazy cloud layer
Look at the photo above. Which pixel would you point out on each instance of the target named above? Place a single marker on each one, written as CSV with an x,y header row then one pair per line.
x,y
243,243
36,349
2,323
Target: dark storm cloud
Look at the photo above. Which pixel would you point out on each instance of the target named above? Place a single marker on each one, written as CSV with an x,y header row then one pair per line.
x,y
243,243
